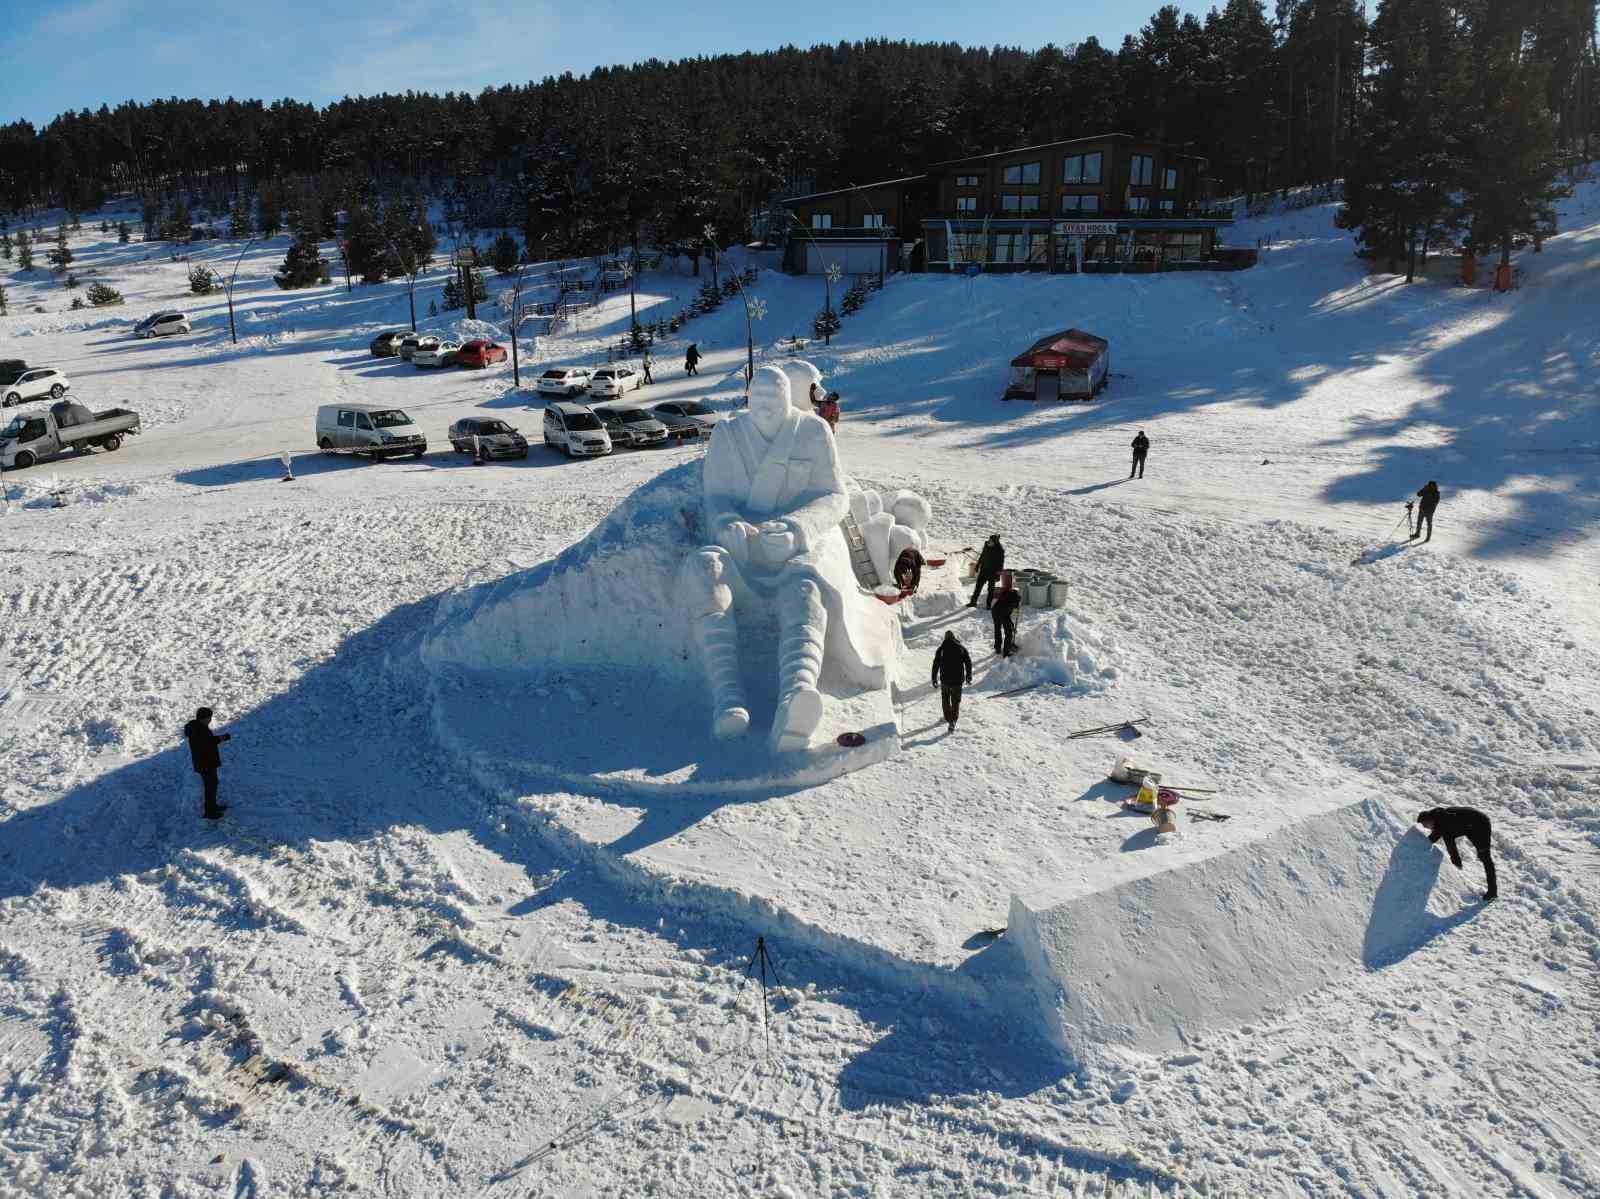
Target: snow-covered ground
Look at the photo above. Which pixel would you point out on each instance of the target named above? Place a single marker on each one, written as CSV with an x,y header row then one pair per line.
x,y
399,969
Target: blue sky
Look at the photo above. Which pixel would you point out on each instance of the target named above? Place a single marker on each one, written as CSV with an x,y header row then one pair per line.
x,y
70,54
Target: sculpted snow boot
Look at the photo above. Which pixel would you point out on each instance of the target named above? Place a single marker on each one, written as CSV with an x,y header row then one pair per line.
x,y
804,623
718,635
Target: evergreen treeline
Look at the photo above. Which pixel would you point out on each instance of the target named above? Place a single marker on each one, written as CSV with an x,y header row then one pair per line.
x,y
1301,92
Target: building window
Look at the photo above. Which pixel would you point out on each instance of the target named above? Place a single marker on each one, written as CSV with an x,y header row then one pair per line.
x,y
1143,171
1012,202
1138,203
1031,249
966,181
1186,247
1027,172
1081,168
873,220
966,203
1030,202
1169,206
822,220
1169,179
1089,203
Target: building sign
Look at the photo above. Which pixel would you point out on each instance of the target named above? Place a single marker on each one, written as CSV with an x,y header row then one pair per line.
x,y
1085,228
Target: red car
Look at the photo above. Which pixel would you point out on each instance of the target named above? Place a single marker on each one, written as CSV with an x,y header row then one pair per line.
x,y
481,353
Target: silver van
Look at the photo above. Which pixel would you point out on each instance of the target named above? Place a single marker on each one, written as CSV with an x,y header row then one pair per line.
x,y
377,430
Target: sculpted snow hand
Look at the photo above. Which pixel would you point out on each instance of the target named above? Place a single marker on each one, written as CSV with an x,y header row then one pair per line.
x,y
774,497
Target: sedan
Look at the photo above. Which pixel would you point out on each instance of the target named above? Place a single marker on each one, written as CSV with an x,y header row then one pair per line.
x,y
411,342
481,353
387,345
564,381
687,418
633,427
435,352
496,438
614,381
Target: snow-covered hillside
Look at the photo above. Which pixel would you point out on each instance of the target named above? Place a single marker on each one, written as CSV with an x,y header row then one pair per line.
x,y
402,966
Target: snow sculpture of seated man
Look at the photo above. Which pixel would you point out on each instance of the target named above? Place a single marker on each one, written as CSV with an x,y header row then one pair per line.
x,y
774,496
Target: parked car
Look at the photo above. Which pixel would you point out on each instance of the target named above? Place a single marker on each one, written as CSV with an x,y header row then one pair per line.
x,y
632,427
36,384
481,353
497,439
687,417
575,430
411,342
436,352
614,381
387,345
63,426
162,324
564,381
371,429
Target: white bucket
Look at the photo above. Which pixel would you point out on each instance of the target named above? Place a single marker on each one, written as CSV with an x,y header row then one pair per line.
x,y
1038,593
1058,592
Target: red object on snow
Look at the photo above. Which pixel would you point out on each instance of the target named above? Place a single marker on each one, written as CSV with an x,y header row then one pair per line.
x,y
1072,363
481,353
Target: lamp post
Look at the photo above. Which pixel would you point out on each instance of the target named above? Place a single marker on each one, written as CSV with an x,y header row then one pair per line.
x,y
754,310
233,332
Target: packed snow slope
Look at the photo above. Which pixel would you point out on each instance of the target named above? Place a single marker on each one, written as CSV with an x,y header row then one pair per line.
x,y
383,975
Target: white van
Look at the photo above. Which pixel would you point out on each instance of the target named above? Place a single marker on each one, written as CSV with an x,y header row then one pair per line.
x,y
377,430
162,324
574,430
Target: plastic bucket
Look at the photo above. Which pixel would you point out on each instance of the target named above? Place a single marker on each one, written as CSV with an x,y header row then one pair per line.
x,y
1058,592
1038,593
1020,580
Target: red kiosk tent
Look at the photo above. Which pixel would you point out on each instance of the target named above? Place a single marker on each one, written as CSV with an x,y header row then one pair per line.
x,y
1068,365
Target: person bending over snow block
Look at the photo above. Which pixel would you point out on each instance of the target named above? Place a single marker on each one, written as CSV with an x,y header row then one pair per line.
x,y
908,569
1470,823
206,759
1430,500
990,563
952,666
1005,621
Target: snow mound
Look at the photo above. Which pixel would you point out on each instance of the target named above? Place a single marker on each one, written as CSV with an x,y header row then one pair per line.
x,y
1063,649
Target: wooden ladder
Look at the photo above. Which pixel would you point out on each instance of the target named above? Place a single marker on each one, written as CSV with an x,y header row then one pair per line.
x,y
860,559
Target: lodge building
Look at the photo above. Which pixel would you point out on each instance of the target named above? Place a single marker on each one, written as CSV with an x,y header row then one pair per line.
x,y
1090,204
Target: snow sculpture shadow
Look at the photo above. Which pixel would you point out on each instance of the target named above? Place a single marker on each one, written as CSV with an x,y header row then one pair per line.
x,y
1401,923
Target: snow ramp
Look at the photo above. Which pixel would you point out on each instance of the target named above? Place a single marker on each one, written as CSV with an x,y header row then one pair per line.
x,y
1167,940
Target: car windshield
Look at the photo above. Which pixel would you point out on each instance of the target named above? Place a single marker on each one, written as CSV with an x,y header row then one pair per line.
x,y
9,433
636,416
495,426
555,374
694,408
582,420
389,418
605,374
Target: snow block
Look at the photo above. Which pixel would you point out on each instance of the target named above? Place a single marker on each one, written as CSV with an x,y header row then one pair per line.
x,y
1212,927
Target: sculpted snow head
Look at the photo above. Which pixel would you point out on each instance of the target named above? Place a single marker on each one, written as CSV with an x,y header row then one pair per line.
x,y
769,399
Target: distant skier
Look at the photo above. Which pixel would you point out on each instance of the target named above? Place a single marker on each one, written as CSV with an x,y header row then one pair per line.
x,y
1141,447
691,359
991,561
1470,823
951,666
206,759
1430,500
1005,621
908,569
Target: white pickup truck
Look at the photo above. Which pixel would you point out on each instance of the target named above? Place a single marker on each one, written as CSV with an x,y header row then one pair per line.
x,y
65,426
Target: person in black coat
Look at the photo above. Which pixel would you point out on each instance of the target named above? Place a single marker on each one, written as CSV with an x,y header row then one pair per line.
x,y
207,760
1470,823
1005,621
1141,447
991,561
908,569
1430,500
952,666
691,359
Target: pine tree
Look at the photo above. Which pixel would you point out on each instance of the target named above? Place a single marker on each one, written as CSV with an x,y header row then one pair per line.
x,y
826,324
2,301
202,280
151,218
303,265
239,217
178,222
24,251
452,299
77,303
366,248
102,296
124,233
61,256
5,246
269,211
480,289
505,255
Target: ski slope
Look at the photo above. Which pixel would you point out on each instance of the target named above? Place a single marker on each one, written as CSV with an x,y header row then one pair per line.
x,y
392,972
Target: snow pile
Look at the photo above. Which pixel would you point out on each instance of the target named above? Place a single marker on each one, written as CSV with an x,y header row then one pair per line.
x,y
1064,649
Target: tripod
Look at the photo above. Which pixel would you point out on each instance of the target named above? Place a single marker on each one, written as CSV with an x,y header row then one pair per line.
x,y
1410,504
763,959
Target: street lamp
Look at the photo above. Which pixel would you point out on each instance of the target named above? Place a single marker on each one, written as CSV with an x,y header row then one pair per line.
x,y
754,310
233,332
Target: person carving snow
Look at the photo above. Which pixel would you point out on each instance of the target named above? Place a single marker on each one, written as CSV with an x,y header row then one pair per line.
x,y
774,495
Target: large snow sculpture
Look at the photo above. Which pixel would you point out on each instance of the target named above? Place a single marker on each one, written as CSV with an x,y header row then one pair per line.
x,y
774,495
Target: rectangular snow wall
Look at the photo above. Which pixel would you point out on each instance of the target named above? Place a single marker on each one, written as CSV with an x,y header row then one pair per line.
x,y
1226,921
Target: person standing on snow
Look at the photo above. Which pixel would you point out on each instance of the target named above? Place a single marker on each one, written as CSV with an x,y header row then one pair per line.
x,y
206,759
991,561
691,359
1141,447
1005,621
951,666
1470,823
1430,500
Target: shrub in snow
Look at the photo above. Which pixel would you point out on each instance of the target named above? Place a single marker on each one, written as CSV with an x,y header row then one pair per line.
x,y
77,303
124,232
505,255
2,301
102,296
826,323
302,266
202,281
